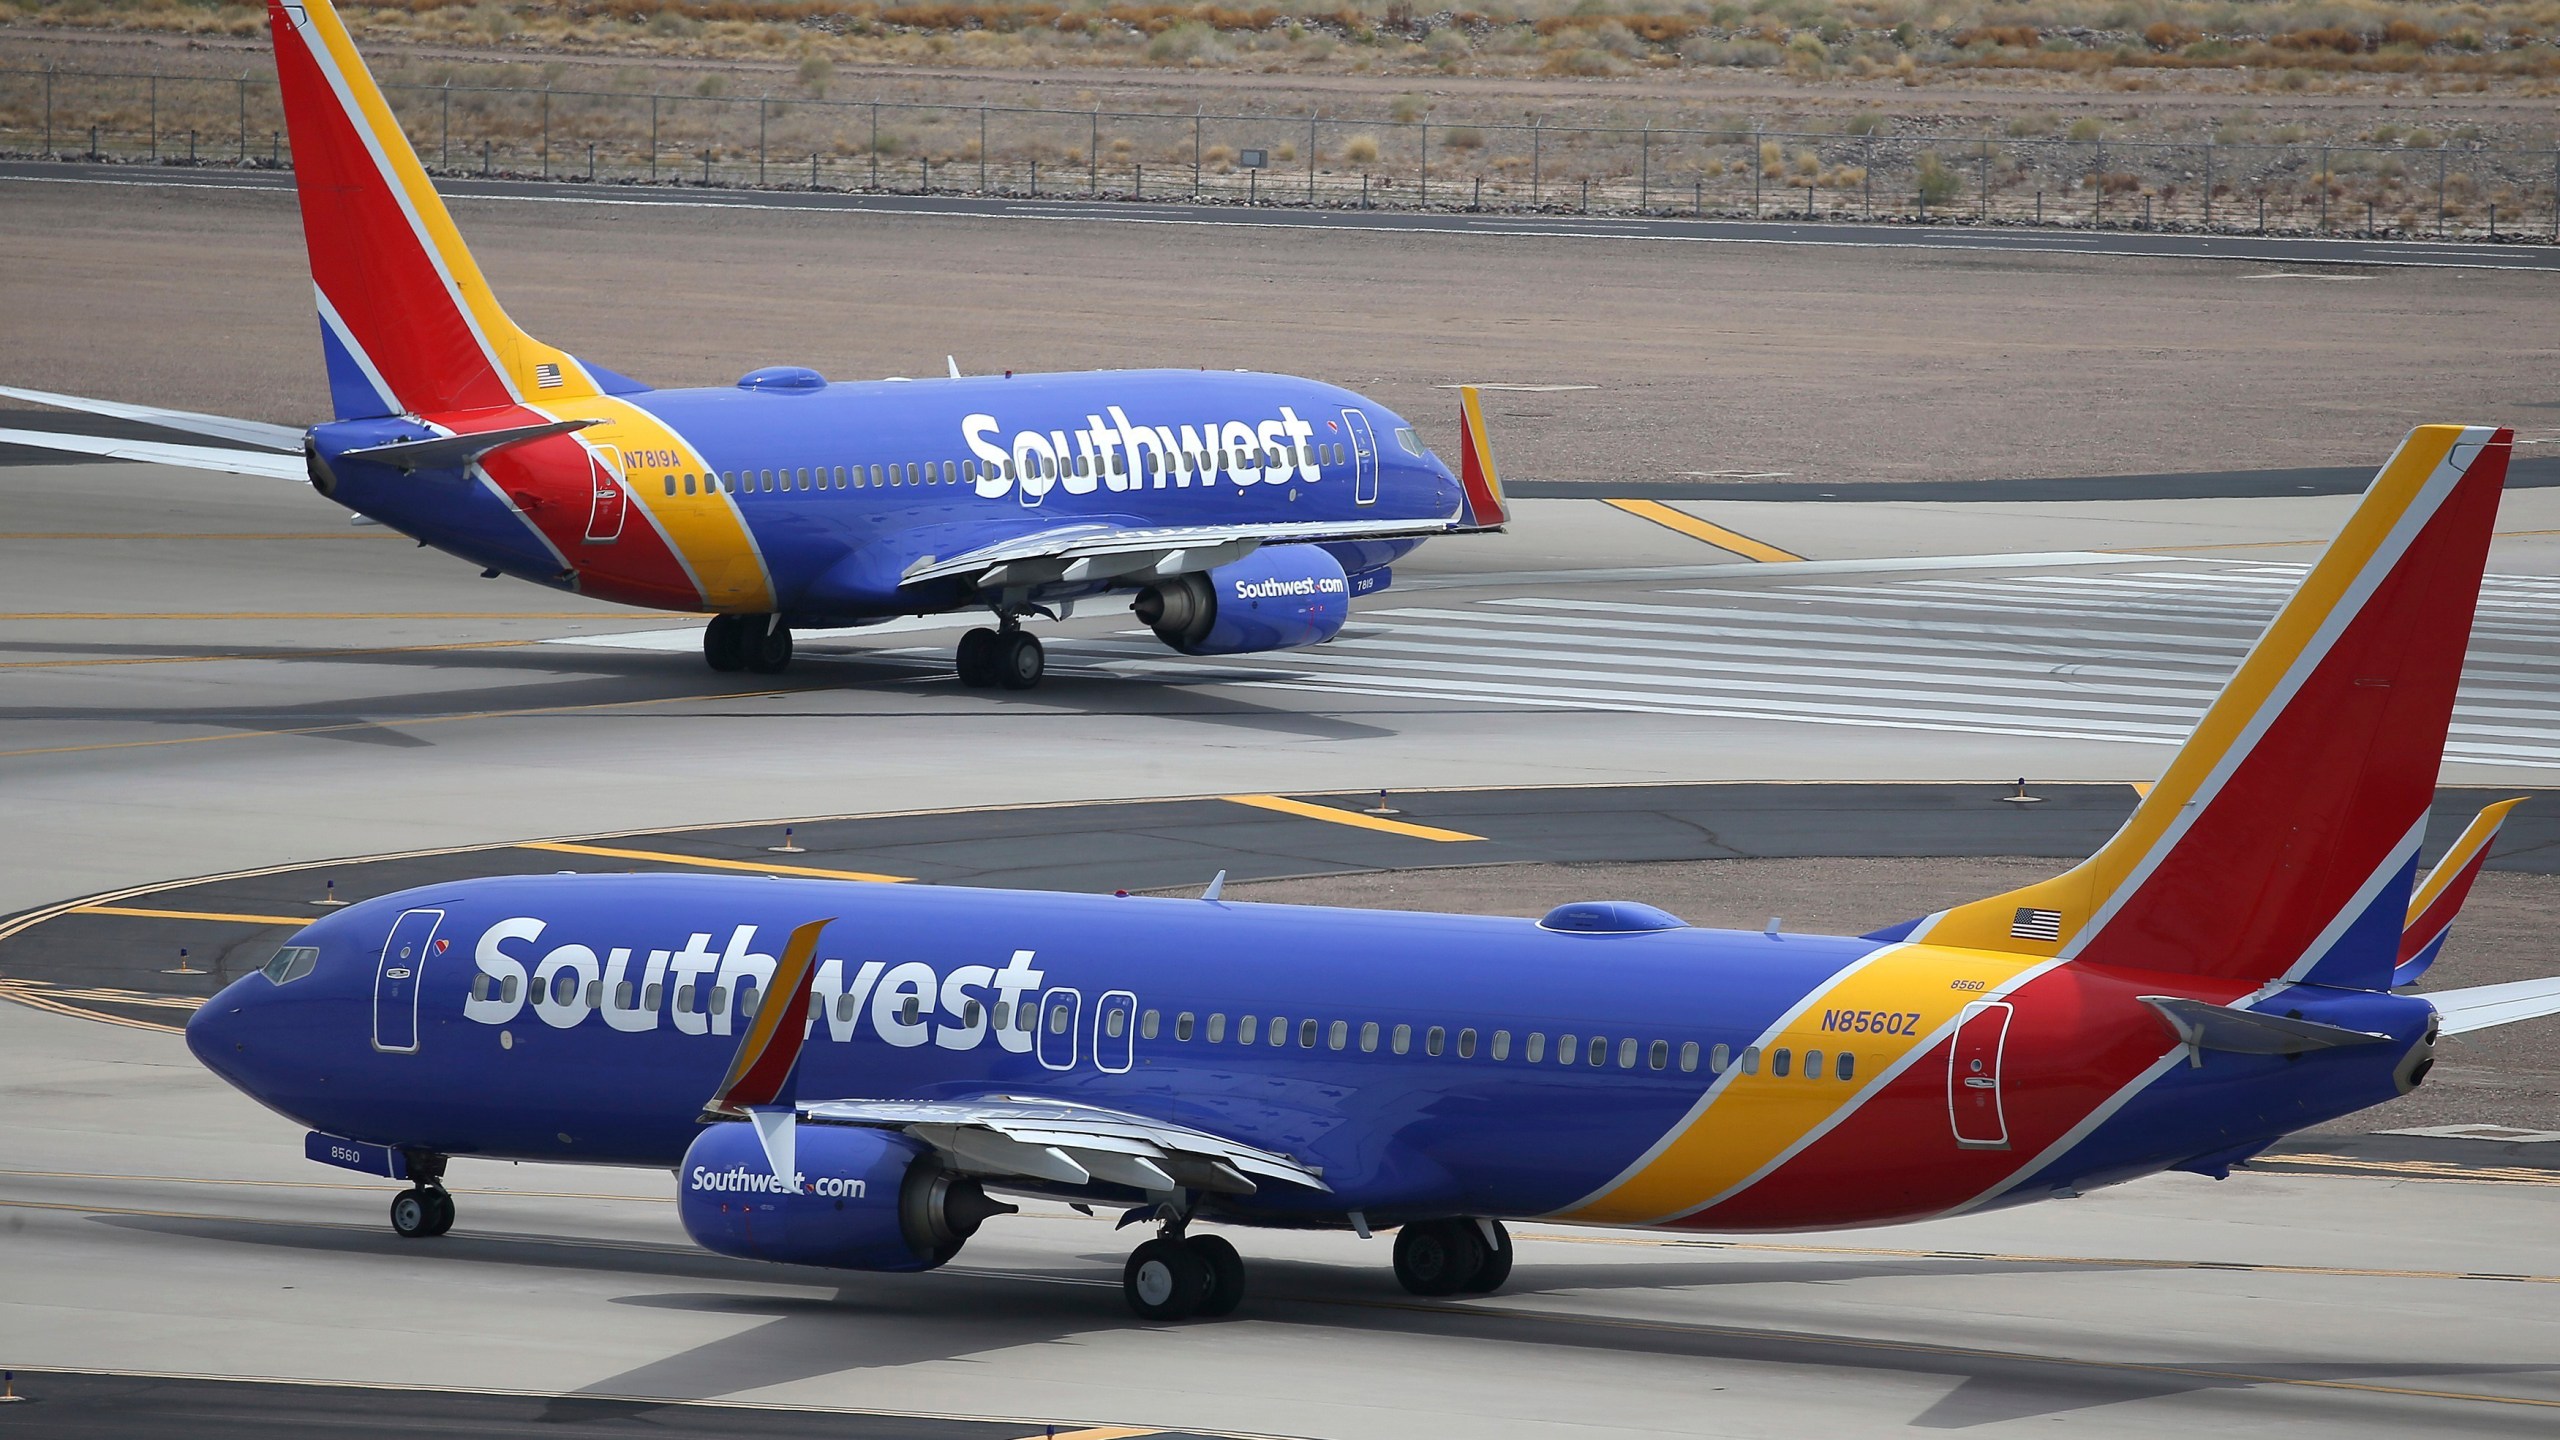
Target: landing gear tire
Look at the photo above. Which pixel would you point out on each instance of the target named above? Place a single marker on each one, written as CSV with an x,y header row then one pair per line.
x,y
421,1213
724,643
1165,1280
1438,1257
767,646
976,660
1226,1275
1496,1269
1020,661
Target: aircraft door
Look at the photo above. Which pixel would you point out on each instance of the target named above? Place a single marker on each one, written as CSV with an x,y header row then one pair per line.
x,y
1973,1076
1060,1009
1115,1029
605,509
395,982
1364,457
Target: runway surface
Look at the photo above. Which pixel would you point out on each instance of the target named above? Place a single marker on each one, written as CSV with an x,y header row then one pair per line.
x,y
205,676
1557,222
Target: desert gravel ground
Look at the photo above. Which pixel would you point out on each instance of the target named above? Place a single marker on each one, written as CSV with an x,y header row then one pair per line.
x,y
1831,366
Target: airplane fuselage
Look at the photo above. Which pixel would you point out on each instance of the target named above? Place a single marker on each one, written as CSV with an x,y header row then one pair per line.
x,y
787,494
1426,1064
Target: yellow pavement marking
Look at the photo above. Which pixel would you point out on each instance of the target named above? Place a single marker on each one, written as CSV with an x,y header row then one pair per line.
x,y
756,867
296,921
405,722
1287,806
308,615
1707,530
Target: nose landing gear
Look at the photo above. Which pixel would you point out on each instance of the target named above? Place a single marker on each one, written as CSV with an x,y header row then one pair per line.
x,y
424,1210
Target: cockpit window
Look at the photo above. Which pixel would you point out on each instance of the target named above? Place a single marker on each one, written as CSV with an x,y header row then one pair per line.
x,y
291,963
1411,442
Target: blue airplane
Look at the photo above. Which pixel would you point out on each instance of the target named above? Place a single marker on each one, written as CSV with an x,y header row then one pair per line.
x,y
849,1075
1239,512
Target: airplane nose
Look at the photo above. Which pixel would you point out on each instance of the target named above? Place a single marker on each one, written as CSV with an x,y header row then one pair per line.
x,y
218,1032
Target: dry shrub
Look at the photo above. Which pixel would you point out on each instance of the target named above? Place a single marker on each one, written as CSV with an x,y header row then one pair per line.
x,y
2022,37
1361,150
2165,36
1464,137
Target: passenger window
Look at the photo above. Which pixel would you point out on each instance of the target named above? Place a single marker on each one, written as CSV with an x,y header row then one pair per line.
x,y
1217,1028
650,997
1369,1037
1466,1044
911,474
1537,1051
1501,1044
1114,1023
1306,1034
564,988
839,477
1339,1035
1658,1055
1003,1014
1627,1053
1750,1059
1434,1040
1246,1030
479,982
1721,1061
671,484
1813,1064
720,1001
1568,1049
970,1012
1689,1057
688,484
1846,1068
1404,1039
1181,1025
622,996
950,473
748,999
1057,1016
1778,1061
507,991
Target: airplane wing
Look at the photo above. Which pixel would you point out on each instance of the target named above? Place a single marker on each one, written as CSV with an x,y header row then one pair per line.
x,y
219,427
193,457
2481,1006
1067,1143
1074,553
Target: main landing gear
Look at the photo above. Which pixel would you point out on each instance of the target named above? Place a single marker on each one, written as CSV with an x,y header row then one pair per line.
x,y
761,643
424,1210
1179,1275
1009,656
1453,1257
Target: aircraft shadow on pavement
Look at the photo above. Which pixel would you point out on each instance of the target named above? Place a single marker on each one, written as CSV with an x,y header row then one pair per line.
x,y
887,1321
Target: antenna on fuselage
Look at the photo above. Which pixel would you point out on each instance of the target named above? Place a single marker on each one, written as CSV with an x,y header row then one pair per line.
x,y
954,362
1217,886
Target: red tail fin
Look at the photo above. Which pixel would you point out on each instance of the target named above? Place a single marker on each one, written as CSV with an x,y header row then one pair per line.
x,y
2281,841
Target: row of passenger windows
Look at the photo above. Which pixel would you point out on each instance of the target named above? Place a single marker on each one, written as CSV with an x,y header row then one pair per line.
x,y
951,472
1595,1051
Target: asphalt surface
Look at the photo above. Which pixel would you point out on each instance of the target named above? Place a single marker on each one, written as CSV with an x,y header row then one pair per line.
x,y
1552,223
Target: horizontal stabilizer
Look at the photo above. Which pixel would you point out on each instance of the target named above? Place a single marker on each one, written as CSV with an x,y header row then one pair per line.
x,y
218,427
2201,1025
2482,1006
453,452
154,452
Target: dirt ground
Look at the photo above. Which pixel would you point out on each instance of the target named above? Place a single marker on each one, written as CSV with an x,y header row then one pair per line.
x,y
2506,1076
1831,365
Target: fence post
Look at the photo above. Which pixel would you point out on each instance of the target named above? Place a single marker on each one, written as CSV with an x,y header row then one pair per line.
x,y
760,134
924,186
1138,186
244,116
1478,202
2555,196
653,137
1867,145
1698,198
1426,164
1093,158
444,135
1311,157
1644,168
982,149
2262,212
813,166
2439,194
1755,170
93,144
1035,179
1586,194
484,162
1253,187
875,144
2324,189
1983,211
275,148
191,159
155,123
1538,158
48,115
2208,181
546,132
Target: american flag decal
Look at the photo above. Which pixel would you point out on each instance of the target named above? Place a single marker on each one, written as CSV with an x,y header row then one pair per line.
x,y
2030,924
547,375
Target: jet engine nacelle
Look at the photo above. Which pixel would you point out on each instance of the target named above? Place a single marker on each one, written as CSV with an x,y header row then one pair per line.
x,y
1277,598
862,1200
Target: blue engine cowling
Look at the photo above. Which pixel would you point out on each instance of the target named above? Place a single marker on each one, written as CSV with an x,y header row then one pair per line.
x,y
1277,598
864,1200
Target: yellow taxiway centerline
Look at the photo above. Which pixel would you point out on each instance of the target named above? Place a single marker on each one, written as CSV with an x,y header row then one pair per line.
x,y
1333,815
296,921
1707,530
756,867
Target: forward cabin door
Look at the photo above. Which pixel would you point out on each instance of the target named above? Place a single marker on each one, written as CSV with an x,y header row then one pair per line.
x,y
605,511
1973,1076
1364,457
395,982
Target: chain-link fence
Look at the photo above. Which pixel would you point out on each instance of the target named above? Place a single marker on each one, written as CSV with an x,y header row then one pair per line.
x,y
2469,193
